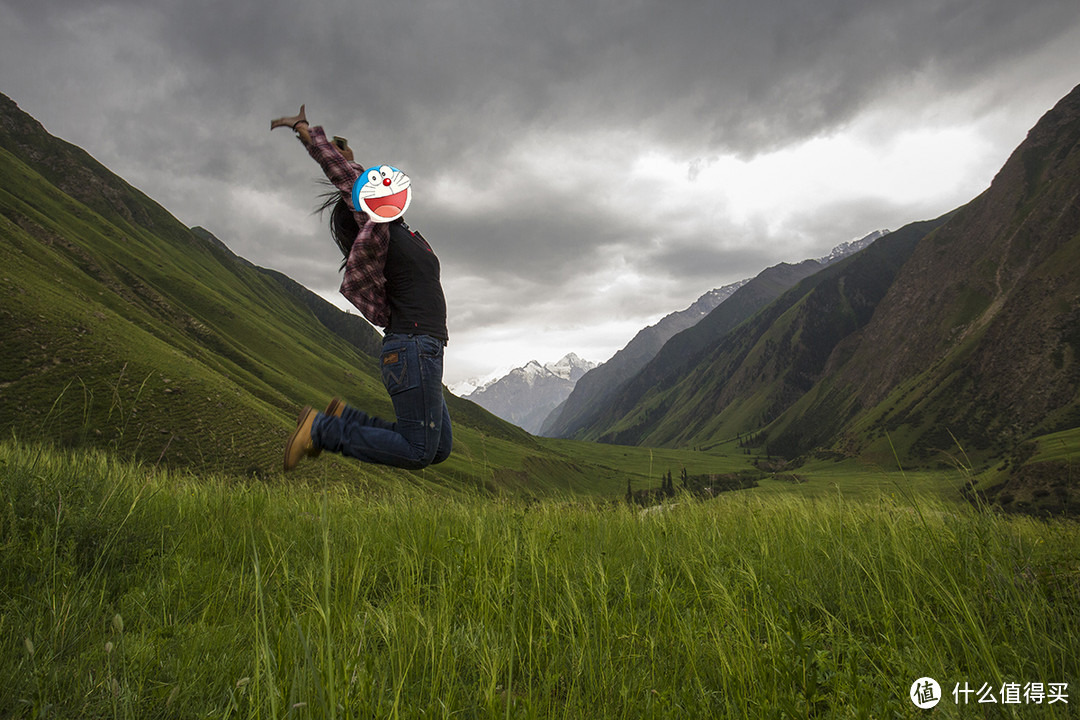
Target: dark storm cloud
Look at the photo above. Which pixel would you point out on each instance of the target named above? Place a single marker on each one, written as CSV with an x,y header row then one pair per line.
x,y
449,83
457,79
448,78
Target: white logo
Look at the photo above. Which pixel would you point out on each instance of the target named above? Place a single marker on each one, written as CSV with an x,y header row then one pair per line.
x,y
925,693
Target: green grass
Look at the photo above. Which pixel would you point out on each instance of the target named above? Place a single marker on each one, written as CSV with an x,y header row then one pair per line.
x,y
129,591
1064,446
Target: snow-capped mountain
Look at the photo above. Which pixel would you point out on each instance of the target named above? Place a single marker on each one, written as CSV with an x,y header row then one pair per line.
x,y
849,248
527,394
465,388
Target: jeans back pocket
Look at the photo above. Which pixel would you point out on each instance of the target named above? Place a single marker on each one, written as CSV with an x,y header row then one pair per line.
x,y
400,369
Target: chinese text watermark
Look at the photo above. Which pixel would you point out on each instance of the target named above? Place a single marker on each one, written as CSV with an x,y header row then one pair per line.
x,y
926,692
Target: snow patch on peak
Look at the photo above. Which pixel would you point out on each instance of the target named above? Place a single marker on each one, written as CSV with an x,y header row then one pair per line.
x,y
853,246
570,367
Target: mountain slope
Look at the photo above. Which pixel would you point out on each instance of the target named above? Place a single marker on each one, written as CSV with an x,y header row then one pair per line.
x,y
594,391
349,327
758,369
125,329
683,351
978,337
597,384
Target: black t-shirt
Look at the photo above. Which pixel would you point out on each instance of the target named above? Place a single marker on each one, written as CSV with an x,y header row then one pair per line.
x,y
413,289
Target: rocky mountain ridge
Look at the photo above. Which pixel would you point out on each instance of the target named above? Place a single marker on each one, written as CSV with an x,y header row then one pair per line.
x,y
599,387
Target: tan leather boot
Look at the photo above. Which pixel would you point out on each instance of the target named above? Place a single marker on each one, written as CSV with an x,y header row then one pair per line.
x,y
335,408
300,444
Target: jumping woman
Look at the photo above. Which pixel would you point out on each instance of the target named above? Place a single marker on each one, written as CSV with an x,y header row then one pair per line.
x,y
392,277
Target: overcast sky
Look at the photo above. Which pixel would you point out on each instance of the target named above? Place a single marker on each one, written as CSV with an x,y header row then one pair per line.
x,y
581,168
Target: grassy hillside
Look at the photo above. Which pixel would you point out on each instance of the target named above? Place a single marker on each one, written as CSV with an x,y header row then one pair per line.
x,y
635,398
782,353
130,591
123,329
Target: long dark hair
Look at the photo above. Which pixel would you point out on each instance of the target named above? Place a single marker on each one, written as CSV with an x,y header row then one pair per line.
x,y
343,227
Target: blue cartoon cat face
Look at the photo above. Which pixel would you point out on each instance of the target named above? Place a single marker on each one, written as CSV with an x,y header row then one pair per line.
x,y
383,192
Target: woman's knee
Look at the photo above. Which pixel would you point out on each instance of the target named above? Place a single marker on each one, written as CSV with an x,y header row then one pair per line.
x,y
420,459
413,463
442,454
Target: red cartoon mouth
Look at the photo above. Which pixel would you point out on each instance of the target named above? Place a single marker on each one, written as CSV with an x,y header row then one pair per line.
x,y
388,206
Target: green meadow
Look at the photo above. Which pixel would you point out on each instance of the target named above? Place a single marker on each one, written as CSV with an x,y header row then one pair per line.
x,y
133,591
156,563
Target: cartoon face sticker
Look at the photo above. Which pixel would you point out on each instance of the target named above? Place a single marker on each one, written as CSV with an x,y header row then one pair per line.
x,y
383,192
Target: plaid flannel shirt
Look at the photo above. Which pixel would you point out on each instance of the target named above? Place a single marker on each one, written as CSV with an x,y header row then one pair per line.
x,y
364,284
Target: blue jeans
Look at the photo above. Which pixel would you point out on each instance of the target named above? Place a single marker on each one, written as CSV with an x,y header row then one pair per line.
x,y
412,368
